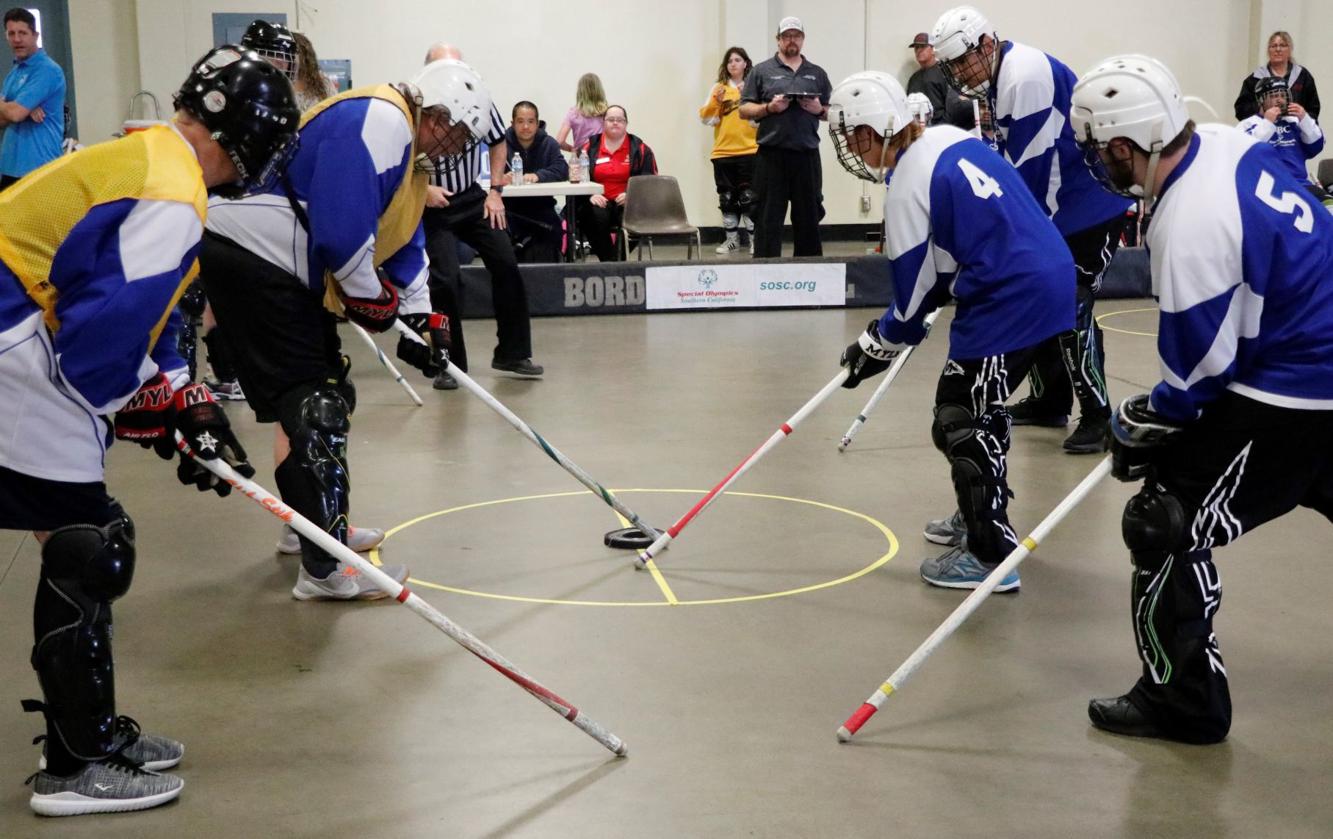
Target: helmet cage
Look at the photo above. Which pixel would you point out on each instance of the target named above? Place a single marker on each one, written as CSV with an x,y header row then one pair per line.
x,y
850,148
972,63
1272,88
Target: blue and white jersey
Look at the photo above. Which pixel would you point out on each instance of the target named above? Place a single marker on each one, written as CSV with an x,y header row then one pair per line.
x,y
351,159
1295,141
960,222
1030,103
1242,266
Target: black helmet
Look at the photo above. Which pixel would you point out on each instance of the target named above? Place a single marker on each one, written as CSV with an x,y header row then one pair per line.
x,y
250,109
274,43
1268,86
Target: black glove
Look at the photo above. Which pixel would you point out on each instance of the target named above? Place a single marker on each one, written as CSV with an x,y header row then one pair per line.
x,y
375,315
867,357
1139,435
204,425
433,356
147,418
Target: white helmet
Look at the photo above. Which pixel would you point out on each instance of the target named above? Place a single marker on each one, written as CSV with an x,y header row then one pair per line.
x,y
1130,96
867,98
957,36
453,85
919,108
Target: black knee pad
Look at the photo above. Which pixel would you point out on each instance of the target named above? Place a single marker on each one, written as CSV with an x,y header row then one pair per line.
x,y
746,201
326,411
953,424
1153,526
727,202
90,563
314,479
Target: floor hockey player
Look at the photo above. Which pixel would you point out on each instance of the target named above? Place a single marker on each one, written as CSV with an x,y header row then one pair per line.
x,y
1027,92
960,220
1288,128
343,229
1240,429
95,250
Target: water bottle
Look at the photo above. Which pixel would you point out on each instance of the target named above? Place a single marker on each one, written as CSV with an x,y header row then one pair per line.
x,y
585,174
516,169
575,175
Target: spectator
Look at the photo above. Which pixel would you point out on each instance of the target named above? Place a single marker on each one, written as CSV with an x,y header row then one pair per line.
x,y
1300,84
947,104
1288,128
534,225
734,148
614,156
33,107
585,118
458,209
788,96
312,86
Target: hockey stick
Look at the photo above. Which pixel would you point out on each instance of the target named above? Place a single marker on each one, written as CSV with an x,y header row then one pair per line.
x,y
661,543
883,387
408,598
388,365
968,606
527,431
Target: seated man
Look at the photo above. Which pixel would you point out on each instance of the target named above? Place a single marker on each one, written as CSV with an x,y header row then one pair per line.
x,y
534,225
1288,128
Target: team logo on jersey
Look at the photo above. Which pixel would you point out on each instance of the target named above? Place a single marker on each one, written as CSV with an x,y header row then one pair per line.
x,y
707,278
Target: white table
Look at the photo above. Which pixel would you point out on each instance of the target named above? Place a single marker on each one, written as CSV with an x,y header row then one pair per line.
x,y
563,189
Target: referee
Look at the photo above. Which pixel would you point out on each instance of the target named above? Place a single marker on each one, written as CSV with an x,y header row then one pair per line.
x,y
458,209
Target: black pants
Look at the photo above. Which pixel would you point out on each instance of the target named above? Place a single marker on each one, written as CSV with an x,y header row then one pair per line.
x,y
978,455
734,178
782,177
598,223
535,239
1241,464
463,221
1073,364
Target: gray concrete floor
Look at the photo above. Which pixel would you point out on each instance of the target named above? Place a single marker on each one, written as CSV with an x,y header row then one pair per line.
x,y
306,719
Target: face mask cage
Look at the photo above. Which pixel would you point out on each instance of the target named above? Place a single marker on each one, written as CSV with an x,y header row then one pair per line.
x,y
445,150
1277,97
1092,158
971,64
849,149
284,60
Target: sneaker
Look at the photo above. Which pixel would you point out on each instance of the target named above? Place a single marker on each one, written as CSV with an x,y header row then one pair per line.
x,y
1091,436
730,244
444,381
522,367
958,568
1119,715
751,246
359,539
113,785
345,583
226,391
1030,411
154,752
948,531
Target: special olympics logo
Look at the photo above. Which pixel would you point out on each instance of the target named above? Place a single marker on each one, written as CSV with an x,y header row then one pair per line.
x,y
707,278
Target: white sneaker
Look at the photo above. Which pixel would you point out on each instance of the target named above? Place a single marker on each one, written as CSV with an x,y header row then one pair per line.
x,y
730,244
345,583
359,539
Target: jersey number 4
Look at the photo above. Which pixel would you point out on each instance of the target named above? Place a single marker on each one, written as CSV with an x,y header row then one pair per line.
x,y
983,185
1286,203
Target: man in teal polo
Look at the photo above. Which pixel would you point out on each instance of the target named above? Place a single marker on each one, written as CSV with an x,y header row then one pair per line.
x,y
33,107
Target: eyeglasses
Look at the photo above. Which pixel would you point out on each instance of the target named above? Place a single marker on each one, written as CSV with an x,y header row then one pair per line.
x,y
1279,46
615,119
791,37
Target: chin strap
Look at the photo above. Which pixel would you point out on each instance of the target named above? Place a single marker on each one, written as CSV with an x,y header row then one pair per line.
x,y
1150,178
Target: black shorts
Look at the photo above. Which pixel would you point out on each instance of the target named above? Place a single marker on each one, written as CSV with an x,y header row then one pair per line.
x,y
284,341
30,503
1092,249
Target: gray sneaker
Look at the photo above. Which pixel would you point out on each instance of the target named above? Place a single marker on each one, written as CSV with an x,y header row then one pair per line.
x,y
959,568
359,539
948,531
345,583
113,785
153,751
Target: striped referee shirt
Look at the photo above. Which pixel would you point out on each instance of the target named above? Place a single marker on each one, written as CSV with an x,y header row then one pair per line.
x,y
457,172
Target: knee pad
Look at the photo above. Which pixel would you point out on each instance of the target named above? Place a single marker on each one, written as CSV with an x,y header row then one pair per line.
x,y
192,302
90,564
326,411
1153,526
746,200
953,424
727,202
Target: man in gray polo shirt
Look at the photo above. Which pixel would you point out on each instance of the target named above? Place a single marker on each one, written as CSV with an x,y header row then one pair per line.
x,y
788,97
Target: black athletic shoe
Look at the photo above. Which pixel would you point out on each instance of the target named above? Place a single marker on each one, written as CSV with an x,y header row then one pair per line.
x,y
1092,436
522,367
1120,716
443,381
1030,411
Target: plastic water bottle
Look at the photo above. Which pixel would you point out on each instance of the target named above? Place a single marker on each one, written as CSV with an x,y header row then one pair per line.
x,y
516,169
584,174
575,171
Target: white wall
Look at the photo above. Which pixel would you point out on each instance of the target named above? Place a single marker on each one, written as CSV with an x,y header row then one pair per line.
x,y
658,59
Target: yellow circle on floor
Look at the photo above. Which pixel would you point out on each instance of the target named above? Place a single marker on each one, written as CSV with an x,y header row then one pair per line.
x,y
669,598
1101,320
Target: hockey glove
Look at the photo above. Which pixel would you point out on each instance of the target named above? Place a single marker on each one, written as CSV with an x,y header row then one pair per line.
x,y
372,315
1139,435
146,418
204,425
434,330
867,357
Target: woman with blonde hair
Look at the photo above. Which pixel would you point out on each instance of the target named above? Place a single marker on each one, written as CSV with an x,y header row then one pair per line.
x,y
1280,64
312,86
585,118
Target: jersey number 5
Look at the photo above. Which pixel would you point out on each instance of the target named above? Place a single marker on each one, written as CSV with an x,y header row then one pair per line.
x,y
983,185
1287,202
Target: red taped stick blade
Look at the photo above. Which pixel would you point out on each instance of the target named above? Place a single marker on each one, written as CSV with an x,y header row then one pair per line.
x,y
856,720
